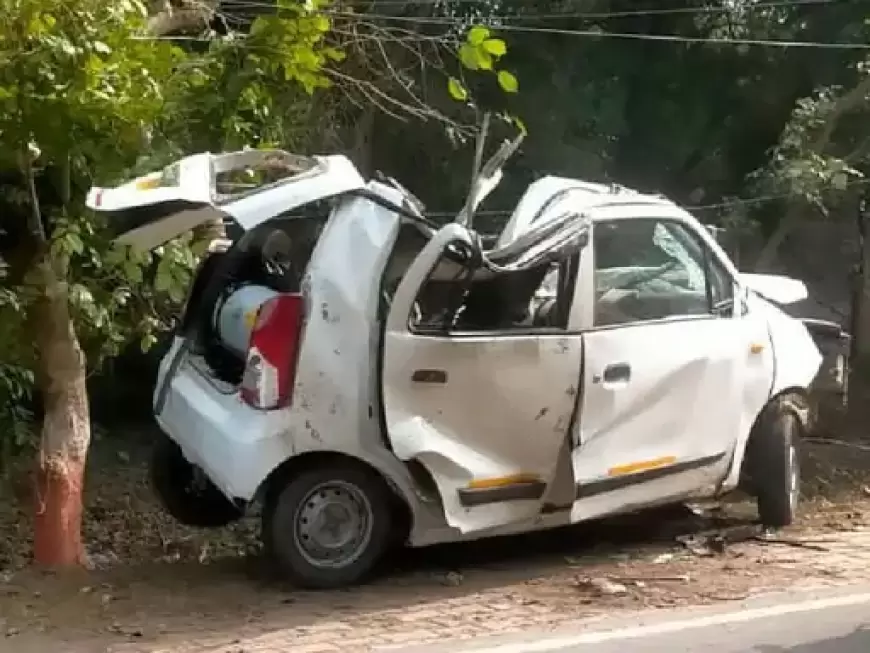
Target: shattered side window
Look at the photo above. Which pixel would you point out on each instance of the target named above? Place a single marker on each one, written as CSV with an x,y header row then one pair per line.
x,y
455,299
664,239
650,269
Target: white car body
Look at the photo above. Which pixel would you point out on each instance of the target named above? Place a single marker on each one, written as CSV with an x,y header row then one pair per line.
x,y
519,430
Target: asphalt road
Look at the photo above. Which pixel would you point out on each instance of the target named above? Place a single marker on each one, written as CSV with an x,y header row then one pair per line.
x,y
818,622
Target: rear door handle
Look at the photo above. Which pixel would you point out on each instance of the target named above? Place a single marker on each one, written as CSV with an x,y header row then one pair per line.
x,y
429,376
617,373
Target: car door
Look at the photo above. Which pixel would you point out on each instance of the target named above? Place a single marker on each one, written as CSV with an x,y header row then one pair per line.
x,y
675,369
486,411
155,208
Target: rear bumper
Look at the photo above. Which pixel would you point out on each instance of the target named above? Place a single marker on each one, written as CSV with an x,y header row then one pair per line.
x,y
236,445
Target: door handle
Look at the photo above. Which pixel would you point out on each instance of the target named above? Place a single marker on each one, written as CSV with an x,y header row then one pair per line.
x,y
617,373
429,376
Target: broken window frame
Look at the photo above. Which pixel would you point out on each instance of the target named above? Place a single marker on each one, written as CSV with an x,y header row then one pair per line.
x,y
556,241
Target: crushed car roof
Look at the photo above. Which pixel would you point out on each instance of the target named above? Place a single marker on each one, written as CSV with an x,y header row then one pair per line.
x,y
551,192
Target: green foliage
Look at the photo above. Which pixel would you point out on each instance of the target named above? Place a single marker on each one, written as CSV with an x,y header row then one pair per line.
x,y
689,119
88,97
480,52
78,91
508,81
16,419
253,89
810,163
77,84
457,91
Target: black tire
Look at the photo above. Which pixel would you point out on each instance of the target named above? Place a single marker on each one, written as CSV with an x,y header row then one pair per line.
x,y
773,457
283,521
189,497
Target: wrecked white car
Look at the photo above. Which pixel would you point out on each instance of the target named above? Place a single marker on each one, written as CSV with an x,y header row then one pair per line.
x,y
375,379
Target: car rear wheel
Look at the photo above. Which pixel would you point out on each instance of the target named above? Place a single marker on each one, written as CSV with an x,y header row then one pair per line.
x,y
328,527
774,458
185,491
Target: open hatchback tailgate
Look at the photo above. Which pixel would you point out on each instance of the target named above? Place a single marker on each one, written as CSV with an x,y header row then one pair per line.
x,y
155,208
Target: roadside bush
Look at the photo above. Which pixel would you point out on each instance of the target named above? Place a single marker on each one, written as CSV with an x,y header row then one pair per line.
x,y
16,412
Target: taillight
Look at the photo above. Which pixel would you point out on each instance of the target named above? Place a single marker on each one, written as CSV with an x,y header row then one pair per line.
x,y
270,368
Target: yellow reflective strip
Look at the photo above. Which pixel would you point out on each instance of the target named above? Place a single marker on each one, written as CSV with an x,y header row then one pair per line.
x,y
502,481
251,318
148,184
641,466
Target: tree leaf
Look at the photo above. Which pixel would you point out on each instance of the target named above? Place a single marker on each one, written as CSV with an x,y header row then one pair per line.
x,y
478,34
468,56
496,47
74,242
162,281
457,91
334,54
508,81
484,59
147,342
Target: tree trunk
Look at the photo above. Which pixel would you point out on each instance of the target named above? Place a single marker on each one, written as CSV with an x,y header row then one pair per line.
x,y
767,257
66,431
362,142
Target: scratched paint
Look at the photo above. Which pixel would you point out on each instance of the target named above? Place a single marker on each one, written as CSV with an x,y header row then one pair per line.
x,y
313,431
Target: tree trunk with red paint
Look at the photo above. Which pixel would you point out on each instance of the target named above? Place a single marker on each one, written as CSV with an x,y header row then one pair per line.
x,y
66,432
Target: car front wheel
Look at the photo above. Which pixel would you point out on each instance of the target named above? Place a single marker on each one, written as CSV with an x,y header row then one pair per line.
x,y
328,527
774,460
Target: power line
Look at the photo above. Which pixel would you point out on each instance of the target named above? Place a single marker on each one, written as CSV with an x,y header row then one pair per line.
x,y
594,33
753,7
627,36
749,201
764,199
671,38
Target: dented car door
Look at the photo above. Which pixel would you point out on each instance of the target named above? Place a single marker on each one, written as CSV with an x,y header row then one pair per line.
x,y
675,370
486,411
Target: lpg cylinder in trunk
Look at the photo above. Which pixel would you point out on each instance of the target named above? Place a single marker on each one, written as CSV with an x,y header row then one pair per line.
x,y
234,316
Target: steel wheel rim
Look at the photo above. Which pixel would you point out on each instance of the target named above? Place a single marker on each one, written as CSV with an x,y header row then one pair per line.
x,y
332,525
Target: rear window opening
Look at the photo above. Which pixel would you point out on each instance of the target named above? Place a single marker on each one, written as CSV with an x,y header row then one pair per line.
x,y
252,170
156,207
263,264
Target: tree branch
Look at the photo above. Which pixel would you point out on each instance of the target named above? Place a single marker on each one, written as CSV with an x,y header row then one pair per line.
x,y
171,20
846,103
34,218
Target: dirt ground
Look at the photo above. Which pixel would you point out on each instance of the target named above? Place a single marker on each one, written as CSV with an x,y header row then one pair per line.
x,y
157,586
